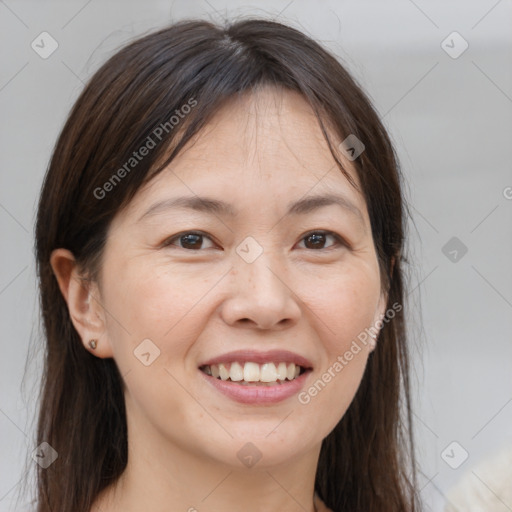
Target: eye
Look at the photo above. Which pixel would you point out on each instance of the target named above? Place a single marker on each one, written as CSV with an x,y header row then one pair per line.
x,y
189,239
317,239
192,240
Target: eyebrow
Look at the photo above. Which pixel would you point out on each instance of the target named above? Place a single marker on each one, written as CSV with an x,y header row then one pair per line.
x,y
218,207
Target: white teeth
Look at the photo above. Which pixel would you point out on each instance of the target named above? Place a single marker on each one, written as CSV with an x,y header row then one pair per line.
x,y
251,372
268,372
236,372
290,371
281,371
223,372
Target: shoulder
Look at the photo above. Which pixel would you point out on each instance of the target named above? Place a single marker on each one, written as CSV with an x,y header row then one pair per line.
x,y
320,506
473,491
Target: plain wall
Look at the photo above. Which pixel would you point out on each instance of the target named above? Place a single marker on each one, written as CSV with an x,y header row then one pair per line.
x,y
451,120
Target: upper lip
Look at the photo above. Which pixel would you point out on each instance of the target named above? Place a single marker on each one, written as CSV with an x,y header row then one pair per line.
x,y
269,356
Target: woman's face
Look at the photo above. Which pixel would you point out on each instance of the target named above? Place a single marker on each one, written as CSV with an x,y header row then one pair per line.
x,y
259,284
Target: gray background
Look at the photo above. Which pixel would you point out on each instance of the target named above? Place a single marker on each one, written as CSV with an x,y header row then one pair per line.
x,y
451,121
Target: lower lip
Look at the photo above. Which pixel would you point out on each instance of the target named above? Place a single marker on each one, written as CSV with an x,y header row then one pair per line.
x,y
256,394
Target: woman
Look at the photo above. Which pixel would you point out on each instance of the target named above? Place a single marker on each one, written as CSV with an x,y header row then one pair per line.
x,y
219,246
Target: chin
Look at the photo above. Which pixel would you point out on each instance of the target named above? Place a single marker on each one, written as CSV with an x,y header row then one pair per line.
x,y
261,448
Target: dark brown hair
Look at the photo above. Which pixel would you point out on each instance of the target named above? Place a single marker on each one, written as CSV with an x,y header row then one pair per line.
x,y
367,462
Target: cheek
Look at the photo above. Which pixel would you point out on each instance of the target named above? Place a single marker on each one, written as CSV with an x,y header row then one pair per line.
x,y
346,306
344,310
150,302
152,299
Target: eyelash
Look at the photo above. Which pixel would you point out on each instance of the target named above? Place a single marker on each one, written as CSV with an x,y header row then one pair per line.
x,y
337,237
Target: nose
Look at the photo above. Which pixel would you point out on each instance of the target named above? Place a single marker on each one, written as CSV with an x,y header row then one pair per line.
x,y
261,297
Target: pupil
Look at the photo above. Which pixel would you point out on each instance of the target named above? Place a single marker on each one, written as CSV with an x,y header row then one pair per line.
x,y
317,239
194,239
191,239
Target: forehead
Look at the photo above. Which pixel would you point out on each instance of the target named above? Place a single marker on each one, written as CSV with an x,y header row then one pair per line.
x,y
264,130
266,144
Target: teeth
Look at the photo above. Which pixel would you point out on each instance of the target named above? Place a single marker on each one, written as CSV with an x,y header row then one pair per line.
x,y
223,372
281,371
290,371
236,373
253,372
268,372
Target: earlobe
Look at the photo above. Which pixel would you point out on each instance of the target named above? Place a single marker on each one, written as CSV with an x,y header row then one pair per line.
x,y
381,310
81,297
377,320
392,265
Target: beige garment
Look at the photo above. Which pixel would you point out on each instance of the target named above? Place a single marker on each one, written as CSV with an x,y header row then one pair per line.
x,y
320,505
484,488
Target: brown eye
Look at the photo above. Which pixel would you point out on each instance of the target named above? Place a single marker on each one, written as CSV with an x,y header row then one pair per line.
x,y
191,240
317,239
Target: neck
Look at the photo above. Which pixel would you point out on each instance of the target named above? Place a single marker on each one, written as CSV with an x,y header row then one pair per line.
x,y
161,475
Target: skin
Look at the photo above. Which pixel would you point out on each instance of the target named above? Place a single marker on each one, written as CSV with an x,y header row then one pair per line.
x,y
259,153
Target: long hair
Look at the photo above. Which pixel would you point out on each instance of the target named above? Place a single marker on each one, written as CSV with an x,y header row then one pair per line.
x,y
367,463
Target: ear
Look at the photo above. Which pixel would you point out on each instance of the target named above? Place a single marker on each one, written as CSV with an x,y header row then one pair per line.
x,y
392,265
381,307
83,301
380,311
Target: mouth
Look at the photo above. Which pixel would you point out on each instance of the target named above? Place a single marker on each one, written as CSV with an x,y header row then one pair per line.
x,y
251,373
257,378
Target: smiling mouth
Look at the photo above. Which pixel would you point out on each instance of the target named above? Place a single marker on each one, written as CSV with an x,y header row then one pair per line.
x,y
251,374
